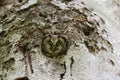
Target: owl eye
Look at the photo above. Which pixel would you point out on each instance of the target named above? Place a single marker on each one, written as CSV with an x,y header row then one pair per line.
x,y
61,41
50,43
58,43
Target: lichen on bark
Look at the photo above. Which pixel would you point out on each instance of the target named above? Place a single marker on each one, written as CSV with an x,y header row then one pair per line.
x,y
25,23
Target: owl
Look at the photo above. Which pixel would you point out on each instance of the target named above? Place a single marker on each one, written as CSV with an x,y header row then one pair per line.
x,y
54,46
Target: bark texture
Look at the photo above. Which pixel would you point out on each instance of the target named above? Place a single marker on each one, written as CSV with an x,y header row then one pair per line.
x,y
59,40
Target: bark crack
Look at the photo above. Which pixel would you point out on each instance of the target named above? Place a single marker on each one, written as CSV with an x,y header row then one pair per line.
x,y
63,74
27,59
71,65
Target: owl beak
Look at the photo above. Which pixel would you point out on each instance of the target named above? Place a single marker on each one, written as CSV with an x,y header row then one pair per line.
x,y
54,39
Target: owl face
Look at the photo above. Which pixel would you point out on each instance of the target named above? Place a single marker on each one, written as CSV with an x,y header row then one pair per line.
x,y
54,46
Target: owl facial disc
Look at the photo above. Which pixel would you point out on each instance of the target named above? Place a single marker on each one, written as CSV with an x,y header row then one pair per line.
x,y
54,46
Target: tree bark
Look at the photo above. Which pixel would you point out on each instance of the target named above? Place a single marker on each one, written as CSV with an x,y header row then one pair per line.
x,y
59,40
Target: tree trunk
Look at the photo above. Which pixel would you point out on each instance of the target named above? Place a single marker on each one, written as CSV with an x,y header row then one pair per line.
x,y
59,40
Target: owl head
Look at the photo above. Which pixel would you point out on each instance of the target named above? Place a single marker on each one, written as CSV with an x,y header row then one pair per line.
x,y
54,46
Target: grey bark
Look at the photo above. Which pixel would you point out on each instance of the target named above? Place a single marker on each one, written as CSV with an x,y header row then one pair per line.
x,y
88,32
